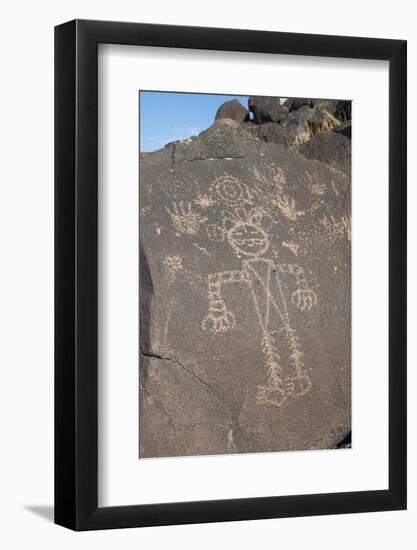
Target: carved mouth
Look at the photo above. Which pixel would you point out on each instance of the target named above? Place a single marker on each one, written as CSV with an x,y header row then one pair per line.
x,y
249,242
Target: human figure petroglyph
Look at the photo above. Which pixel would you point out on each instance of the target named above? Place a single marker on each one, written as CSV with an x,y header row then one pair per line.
x,y
264,280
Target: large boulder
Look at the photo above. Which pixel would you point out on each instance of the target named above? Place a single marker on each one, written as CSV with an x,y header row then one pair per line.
x,y
307,121
343,111
271,132
345,130
244,298
267,109
232,110
295,103
328,105
331,148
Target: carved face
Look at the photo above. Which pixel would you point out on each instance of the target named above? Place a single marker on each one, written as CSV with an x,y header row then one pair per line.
x,y
248,239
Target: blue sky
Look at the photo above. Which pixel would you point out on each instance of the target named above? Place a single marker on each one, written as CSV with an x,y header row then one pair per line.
x,y
168,116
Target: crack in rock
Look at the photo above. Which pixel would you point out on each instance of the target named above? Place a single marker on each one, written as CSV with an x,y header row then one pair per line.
x,y
234,426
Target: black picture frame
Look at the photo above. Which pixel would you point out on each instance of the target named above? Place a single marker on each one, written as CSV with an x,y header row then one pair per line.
x,y
76,272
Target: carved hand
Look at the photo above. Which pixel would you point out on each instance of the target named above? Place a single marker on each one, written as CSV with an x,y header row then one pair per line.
x,y
219,323
304,298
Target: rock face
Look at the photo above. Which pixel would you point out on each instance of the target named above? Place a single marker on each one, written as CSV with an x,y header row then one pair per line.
x,y
232,110
244,297
331,148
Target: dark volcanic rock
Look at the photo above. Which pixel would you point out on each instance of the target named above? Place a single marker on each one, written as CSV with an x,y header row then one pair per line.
x,y
328,105
295,103
306,122
271,132
233,110
245,298
345,130
343,111
331,148
297,125
267,109
224,139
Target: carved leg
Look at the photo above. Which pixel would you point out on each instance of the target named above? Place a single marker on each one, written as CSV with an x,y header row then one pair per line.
x,y
273,392
300,383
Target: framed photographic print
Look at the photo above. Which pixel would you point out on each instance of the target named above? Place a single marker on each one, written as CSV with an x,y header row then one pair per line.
x,y
230,275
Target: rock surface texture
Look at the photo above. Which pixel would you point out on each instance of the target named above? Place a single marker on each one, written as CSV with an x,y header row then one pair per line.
x,y
332,148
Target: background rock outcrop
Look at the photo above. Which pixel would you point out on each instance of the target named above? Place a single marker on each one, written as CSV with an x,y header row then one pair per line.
x,y
271,132
332,148
267,109
233,110
295,121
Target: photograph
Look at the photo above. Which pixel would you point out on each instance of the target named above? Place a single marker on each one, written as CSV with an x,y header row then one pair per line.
x,y
245,274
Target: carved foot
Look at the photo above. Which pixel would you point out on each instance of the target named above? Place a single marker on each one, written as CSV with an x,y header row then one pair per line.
x,y
298,385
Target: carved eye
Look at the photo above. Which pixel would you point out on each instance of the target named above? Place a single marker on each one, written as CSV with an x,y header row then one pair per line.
x,y
215,232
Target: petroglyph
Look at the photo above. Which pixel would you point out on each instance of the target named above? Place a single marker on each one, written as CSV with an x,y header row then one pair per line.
x,y
243,228
293,246
262,278
202,249
338,228
304,298
173,263
145,210
273,181
313,184
231,191
215,232
288,207
204,201
273,186
184,220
